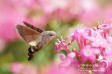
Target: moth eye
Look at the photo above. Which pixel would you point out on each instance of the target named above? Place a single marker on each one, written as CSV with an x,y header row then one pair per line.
x,y
51,34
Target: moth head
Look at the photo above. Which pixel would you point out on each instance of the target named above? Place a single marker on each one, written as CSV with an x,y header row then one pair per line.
x,y
49,34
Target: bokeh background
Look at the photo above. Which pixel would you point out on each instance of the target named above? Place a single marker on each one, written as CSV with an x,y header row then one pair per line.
x,y
65,14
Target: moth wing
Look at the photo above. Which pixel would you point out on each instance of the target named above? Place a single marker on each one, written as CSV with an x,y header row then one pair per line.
x,y
29,35
33,27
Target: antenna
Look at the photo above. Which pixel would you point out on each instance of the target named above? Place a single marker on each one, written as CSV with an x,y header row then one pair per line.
x,y
56,26
49,26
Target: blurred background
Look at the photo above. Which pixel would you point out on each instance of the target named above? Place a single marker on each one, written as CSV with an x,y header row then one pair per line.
x,y
64,13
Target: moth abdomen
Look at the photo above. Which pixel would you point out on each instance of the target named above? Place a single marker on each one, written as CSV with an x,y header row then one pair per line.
x,y
31,51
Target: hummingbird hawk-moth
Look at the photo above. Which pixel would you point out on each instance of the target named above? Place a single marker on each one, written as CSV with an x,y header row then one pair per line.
x,y
34,36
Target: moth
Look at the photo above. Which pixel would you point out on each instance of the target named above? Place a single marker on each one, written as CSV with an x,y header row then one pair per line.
x,y
35,37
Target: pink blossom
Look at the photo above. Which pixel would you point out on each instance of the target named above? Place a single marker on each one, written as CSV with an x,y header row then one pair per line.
x,y
7,30
62,45
21,68
68,61
57,70
88,7
89,54
51,5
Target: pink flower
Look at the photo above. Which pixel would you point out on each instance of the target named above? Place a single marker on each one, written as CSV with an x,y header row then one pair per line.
x,y
53,69
89,54
50,6
68,61
9,17
70,10
62,45
16,67
88,7
21,68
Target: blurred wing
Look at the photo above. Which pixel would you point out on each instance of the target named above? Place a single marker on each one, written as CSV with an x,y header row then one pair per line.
x,y
33,27
29,35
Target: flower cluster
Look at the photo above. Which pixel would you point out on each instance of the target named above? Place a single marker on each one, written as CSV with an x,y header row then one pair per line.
x,y
94,52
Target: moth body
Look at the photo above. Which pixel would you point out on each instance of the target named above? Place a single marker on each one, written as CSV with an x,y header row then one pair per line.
x,y
36,37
